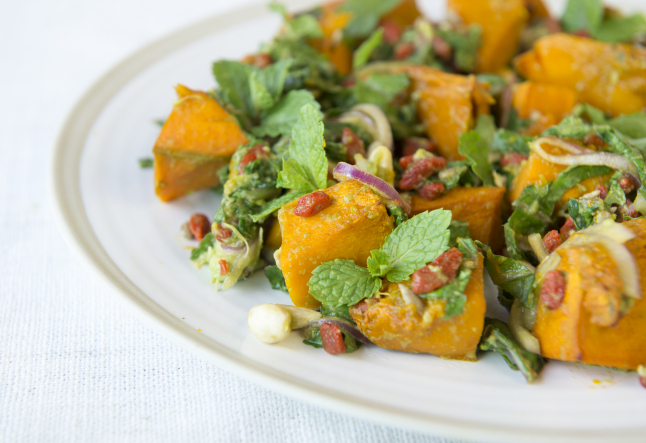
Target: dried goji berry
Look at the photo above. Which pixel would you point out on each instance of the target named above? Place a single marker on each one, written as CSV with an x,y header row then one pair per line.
x,y
353,143
552,240
262,60
332,339
627,210
642,380
405,161
582,33
199,225
431,191
552,25
593,139
404,50
419,170
427,280
512,158
224,267
441,48
603,191
567,228
413,144
627,184
311,204
253,154
349,82
221,233
553,289
392,31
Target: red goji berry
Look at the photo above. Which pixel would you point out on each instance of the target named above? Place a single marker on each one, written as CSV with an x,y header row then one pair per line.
x,y
262,60
332,339
222,233
512,158
593,139
567,228
419,170
426,280
405,161
603,191
553,289
441,48
404,50
627,210
582,33
552,240
199,225
253,154
413,144
642,381
348,83
392,31
224,267
626,184
431,191
353,143
311,204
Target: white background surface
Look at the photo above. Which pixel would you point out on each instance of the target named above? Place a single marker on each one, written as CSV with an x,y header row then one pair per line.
x,y
75,364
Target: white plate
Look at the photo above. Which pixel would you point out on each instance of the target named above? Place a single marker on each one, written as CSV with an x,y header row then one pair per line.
x,y
111,216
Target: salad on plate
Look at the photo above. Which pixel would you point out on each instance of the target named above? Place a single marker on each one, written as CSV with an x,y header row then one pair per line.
x,y
374,163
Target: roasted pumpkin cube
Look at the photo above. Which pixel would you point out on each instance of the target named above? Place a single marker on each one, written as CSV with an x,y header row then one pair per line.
x,y
448,105
355,223
480,207
546,105
611,77
536,9
501,23
198,137
568,332
404,14
392,324
332,22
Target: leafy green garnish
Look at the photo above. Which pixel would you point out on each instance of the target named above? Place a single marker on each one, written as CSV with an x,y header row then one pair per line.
x,y
202,248
465,44
281,118
475,145
341,312
306,169
497,337
582,15
616,195
510,275
453,293
300,27
366,15
145,163
276,204
342,283
365,50
276,278
416,242
534,208
622,29
458,229
505,140
582,210
512,243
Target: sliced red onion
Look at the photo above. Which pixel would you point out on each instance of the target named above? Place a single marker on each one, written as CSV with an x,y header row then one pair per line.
x,y
343,324
345,171
232,249
580,156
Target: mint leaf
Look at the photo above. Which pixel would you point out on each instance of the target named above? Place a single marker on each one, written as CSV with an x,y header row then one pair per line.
x,y
378,263
616,195
233,82
582,210
261,99
582,15
342,283
306,170
275,205
273,78
207,242
475,146
510,275
458,229
366,15
365,50
276,278
380,89
280,119
416,242
622,29
305,26
632,125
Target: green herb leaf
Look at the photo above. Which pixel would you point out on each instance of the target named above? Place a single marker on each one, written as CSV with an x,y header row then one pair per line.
x,y
366,15
465,45
145,163
616,195
305,26
342,283
207,242
416,242
280,119
582,210
632,125
233,81
380,89
340,312
497,337
582,15
510,141
458,229
276,278
275,205
511,242
622,29
510,275
453,293
475,146
365,50
378,263
306,170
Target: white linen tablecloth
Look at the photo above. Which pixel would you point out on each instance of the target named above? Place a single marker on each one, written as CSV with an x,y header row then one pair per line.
x,y
76,364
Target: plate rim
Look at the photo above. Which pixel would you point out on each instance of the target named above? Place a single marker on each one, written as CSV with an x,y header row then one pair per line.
x,y
70,215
